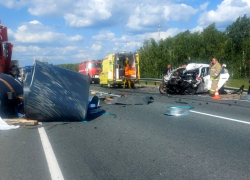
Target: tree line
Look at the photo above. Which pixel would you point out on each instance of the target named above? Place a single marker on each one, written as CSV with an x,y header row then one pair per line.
x,y
72,67
231,47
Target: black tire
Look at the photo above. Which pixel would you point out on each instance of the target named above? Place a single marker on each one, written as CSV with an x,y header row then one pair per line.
x,y
189,91
163,88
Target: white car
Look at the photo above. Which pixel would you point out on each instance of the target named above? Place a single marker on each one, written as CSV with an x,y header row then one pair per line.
x,y
194,78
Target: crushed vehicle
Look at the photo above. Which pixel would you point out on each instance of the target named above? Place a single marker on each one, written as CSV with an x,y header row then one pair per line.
x,y
189,80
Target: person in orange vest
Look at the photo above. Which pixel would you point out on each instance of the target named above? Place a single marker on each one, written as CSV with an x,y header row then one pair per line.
x,y
127,75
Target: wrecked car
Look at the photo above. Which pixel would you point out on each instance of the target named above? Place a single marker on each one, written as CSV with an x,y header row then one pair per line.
x,y
189,80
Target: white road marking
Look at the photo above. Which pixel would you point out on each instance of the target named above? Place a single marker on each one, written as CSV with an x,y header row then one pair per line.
x,y
221,117
106,93
203,96
54,168
244,100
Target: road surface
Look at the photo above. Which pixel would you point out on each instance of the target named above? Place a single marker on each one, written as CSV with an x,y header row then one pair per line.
x,y
135,142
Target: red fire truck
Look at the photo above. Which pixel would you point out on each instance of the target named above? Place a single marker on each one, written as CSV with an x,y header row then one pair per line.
x,y
5,50
92,68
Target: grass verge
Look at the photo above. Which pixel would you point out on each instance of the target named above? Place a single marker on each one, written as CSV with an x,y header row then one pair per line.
x,y
238,82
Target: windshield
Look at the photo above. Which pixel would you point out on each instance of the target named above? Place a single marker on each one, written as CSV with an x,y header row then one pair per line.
x,y
94,65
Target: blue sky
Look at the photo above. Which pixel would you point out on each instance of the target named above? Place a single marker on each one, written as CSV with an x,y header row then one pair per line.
x,y
71,31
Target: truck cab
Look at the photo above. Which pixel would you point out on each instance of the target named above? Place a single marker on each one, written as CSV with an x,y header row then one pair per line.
x,y
92,68
113,69
5,50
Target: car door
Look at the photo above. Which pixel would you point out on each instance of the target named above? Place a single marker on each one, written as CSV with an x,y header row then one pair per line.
x,y
223,79
206,83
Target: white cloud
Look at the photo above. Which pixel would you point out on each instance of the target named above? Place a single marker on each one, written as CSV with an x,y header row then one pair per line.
x,y
226,12
13,3
70,48
35,22
64,50
20,48
135,15
104,35
26,48
96,47
80,55
146,16
130,43
10,34
88,13
76,38
34,48
196,29
36,32
49,8
204,6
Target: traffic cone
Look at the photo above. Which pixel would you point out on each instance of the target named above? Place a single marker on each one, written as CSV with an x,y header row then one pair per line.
x,y
216,96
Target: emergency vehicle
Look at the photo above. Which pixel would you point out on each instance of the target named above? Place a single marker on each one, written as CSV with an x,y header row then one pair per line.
x,y
5,50
113,69
92,68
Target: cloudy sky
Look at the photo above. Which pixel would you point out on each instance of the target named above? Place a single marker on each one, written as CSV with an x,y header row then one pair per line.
x,y
71,31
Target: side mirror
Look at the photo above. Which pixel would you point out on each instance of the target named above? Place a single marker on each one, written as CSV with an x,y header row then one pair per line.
x,y
6,51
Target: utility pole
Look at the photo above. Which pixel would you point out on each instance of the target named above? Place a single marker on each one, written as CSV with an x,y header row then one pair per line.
x,y
159,33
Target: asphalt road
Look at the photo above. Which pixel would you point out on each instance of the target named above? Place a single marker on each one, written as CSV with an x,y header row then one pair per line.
x,y
137,142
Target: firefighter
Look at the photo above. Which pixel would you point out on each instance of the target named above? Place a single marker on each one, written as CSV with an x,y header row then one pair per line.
x,y
127,75
215,69
224,69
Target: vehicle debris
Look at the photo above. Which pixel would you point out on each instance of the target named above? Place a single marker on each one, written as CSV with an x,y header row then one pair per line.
x,y
178,110
189,80
131,100
239,91
21,121
11,93
52,93
5,126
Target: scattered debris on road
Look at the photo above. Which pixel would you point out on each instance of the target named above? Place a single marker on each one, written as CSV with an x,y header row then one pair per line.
x,y
5,126
245,97
178,110
230,96
131,100
21,121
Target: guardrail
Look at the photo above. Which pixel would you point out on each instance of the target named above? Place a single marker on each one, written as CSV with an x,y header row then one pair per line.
x,y
155,81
